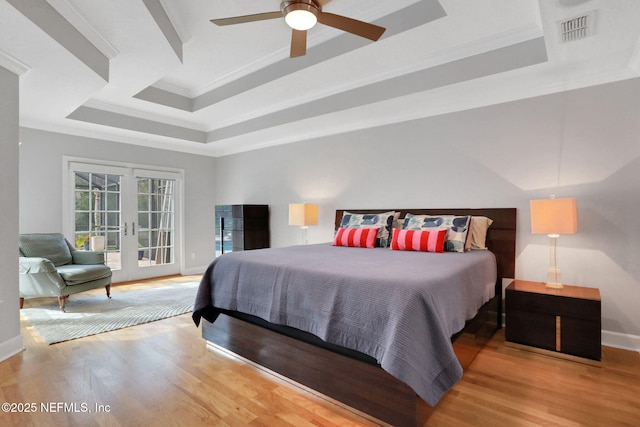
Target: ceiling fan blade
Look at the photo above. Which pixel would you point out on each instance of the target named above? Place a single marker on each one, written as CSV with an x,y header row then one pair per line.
x,y
247,18
359,28
298,43
322,2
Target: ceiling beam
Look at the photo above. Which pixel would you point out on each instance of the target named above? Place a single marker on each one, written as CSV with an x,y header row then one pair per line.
x,y
43,15
165,25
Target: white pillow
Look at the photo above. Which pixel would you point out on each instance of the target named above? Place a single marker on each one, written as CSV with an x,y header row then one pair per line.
x,y
479,226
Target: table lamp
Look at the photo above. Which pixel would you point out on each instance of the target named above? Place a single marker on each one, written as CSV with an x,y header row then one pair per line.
x,y
554,217
303,215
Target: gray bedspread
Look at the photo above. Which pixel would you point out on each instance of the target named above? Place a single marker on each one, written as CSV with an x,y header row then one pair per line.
x,y
399,307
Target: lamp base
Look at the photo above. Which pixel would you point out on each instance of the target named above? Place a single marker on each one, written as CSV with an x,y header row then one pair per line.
x,y
553,278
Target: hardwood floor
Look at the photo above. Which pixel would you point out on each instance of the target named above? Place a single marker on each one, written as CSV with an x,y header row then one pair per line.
x,y
162,374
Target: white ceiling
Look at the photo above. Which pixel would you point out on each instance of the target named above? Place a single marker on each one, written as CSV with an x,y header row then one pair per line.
x,y
158,73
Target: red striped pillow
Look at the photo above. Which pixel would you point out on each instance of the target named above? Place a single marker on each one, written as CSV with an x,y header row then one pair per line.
x,y
356,237
418,240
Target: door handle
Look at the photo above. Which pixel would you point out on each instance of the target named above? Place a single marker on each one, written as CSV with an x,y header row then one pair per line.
x,y
125,228
133,228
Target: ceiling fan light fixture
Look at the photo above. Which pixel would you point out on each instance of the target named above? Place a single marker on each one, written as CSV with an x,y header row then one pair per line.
x,y
301,16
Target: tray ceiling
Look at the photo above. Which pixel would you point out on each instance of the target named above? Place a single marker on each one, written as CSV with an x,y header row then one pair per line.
x,y
158,73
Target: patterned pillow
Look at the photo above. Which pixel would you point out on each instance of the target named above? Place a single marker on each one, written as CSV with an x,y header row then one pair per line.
x,y
418,240
457,226
382,220
356,237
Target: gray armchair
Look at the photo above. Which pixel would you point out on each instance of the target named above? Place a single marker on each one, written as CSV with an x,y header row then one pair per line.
x,y
51,267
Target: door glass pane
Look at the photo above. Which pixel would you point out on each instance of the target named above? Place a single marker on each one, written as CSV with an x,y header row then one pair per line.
x,y
82,181
98,215
143,238
82,200
143,203
97,181
83,221
113,201
155,221
143,220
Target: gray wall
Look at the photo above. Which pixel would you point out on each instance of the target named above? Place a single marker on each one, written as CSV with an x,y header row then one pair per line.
x,y
582,144
10,338
41,169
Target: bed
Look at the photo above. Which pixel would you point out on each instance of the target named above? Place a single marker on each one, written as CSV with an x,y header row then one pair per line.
x,y
344,321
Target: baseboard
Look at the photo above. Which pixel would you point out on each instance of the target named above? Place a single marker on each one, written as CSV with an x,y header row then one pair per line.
x,y
194,270
11,347
623,341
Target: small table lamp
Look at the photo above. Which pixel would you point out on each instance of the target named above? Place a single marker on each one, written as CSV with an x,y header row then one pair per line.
x,y
303,215
554,217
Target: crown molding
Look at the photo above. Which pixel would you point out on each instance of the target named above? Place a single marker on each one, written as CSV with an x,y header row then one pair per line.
x,y
101,132
246,69
71,14
173,88
12,64
140,114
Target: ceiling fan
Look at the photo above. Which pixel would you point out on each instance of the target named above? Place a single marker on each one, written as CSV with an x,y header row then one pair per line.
x,y
302,15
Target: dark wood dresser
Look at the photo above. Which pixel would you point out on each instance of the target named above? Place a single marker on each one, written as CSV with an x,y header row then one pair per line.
x,y
563,321
241,227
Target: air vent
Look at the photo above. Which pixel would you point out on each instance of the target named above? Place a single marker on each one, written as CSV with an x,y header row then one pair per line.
x,y
577,28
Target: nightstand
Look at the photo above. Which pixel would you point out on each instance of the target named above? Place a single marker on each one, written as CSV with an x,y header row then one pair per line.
x,y
560,322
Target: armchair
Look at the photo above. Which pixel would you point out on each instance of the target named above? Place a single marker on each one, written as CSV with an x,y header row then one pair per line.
x,y
51,267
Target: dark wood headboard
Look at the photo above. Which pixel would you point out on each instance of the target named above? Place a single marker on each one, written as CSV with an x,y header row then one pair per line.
x,y
501,236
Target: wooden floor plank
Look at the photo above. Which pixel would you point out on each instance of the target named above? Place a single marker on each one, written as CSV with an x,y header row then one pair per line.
x,y
162,374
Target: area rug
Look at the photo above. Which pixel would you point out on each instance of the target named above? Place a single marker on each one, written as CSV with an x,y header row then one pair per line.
x,y
95,315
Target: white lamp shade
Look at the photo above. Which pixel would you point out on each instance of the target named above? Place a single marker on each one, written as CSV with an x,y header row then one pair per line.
x,y
554,216
303,214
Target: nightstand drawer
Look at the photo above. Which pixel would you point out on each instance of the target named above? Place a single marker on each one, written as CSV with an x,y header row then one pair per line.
x,y
553,305
530,302
578,308
538,330
581,337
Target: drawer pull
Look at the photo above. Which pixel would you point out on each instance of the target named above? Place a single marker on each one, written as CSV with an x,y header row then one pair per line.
x,y
558,334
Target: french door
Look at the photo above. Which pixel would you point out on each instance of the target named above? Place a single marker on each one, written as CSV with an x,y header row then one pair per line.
x,y
128,213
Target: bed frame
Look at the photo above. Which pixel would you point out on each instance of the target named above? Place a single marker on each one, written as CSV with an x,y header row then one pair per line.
x,y
348,376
